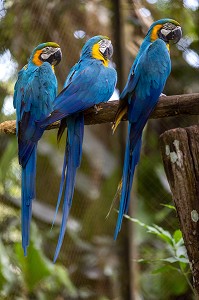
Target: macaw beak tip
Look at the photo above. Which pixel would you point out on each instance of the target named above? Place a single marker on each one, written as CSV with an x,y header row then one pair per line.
x,y
108,52
57,57
177,34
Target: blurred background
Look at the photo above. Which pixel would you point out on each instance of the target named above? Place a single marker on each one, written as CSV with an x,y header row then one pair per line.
x,y
148,260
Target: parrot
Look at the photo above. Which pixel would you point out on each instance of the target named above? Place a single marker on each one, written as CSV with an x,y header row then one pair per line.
x,y
92,80
145,83
34,93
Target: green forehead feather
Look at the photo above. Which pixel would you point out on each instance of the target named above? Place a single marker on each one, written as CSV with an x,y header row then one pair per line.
x,y
106,37
103,37
51,44
174,22
47,44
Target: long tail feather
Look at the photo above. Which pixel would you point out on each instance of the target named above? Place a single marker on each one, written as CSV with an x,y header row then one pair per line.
x,y
28,194
62,127
72,160
132,156
60,188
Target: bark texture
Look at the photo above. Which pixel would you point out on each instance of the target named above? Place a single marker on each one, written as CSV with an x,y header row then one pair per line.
x,y
167,106
180,153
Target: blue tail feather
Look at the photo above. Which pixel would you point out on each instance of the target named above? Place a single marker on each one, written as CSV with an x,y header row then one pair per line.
x,y
72,160
132,156
28,191
63,176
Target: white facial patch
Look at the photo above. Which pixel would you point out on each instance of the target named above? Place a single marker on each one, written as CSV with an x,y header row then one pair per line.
x,y
104,44
165,31
47,52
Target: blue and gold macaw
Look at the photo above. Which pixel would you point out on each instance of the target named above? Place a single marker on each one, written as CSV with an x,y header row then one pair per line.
x,y
145,83
91,81
34,93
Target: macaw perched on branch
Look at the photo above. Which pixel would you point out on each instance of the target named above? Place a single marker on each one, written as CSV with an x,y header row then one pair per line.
x,y
92,80
145,83
34,93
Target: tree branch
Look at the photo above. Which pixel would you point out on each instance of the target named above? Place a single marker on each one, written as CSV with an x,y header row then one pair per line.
x,y
167,106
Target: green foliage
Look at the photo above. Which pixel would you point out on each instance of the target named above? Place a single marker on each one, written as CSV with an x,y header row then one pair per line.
x,y
32,276
175,255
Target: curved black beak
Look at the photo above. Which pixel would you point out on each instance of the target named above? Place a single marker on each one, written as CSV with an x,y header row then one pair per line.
x,y
171,35
57,57
175,35
108,52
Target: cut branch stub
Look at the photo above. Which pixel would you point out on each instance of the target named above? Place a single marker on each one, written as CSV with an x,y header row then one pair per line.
x,y
180,153
167,106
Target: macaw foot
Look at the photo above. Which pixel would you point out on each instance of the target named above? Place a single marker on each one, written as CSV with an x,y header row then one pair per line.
x,y
163,95
97,108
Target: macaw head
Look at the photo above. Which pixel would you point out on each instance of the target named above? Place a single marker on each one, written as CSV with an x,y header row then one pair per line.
x,y
165,29
49,52
98,47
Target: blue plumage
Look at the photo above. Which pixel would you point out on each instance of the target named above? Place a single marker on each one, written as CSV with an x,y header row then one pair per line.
x,y
145,83
91,81
34,93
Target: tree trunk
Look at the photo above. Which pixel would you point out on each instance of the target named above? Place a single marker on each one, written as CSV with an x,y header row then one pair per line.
x,y
180,153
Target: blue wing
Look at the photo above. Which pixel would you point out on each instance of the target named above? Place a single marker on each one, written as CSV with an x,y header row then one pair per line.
x,y
88,86
34,93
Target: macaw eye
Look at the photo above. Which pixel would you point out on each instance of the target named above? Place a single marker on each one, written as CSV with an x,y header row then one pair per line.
x,y
46,49
103,43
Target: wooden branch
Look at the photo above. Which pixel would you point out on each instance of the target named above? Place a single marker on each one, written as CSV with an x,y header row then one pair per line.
x,y
167,106
180,153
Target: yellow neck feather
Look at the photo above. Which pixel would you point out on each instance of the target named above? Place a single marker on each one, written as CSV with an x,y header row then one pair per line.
x,y
154,33
36,59
97,55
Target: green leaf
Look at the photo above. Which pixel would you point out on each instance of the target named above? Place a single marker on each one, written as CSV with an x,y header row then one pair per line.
x,y
166,268
185,266
181,252
174,259
165,235
183,260
177,235
169,206
155,229
171,259
63,278
35,267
